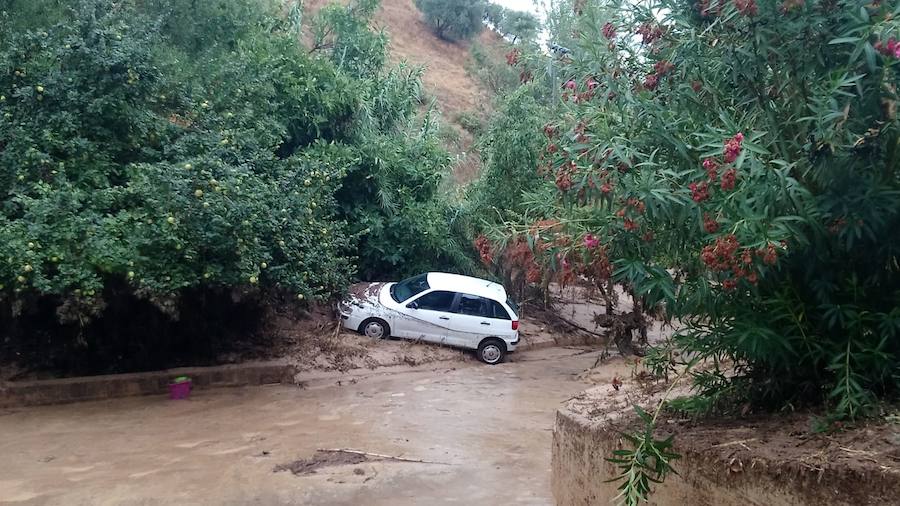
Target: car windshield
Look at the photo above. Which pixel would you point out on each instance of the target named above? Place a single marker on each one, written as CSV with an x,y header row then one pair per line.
x,y
515,307
409,287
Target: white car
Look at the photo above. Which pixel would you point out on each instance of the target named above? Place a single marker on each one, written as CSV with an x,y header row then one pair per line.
x,y
441,308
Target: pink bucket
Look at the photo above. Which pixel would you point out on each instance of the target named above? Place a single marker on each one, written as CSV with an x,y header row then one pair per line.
x,y
180,389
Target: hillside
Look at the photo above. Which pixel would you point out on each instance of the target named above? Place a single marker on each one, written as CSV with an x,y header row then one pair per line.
x,y
445,79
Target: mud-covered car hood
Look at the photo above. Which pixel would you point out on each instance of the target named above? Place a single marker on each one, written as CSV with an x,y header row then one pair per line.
x,y
363,295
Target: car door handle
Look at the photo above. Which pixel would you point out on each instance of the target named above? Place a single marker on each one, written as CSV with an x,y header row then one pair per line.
x,y
444,317
485,323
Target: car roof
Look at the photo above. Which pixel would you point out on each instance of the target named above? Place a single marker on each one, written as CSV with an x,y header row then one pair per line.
x,y
466,284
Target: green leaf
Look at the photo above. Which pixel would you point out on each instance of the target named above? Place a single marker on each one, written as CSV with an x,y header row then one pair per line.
x,y
844,40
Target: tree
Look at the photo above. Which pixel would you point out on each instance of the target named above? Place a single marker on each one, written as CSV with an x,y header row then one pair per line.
x,y
454,19
494,15
520,26
162,162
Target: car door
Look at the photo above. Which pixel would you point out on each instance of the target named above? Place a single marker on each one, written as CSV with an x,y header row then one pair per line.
x,y
426,317
471,321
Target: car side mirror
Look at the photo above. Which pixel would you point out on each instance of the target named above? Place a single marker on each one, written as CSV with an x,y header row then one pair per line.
x,y
412,305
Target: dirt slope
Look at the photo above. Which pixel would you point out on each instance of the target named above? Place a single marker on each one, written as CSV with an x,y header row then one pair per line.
x,y
445,78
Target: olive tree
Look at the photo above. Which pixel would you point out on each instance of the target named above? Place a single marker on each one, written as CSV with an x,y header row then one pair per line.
x,y
454,19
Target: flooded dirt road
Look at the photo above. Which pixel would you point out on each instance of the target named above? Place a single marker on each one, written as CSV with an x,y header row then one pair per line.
x,y
487,430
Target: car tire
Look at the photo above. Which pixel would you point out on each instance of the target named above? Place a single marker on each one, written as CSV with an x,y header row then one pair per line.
x,y
375,328
492,351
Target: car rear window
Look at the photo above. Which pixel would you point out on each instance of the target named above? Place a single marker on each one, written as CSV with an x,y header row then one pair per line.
x,y
515,307
498,311
473,305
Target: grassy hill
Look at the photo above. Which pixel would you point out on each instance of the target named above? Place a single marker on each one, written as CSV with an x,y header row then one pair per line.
x,y
445,79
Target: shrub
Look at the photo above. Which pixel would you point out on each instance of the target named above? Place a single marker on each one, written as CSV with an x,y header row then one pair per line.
x,y
470,122
453,19
735,165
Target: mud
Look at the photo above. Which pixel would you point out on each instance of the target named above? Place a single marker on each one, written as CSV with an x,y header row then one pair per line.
x,y
489,426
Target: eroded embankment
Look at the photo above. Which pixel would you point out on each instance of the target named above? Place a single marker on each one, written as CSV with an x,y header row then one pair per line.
x,y
769,461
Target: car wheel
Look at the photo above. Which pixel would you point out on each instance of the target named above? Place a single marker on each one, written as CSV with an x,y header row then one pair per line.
x,y
375,328
492,351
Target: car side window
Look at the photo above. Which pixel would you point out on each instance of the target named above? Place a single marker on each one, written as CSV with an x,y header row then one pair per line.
x,y
473,306
498,311
436,301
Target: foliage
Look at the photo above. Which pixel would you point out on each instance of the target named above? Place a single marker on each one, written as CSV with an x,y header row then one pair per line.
x,y
470,122
494,15
510,149
649,461
514,25
390,197
736,164
114,169
520,25
343,30
453,19
488,65
154,152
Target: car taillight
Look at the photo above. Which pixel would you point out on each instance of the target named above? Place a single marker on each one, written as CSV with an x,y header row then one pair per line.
x,y
515,324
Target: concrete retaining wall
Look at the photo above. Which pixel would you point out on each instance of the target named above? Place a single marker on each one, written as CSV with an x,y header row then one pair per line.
x,y
580,474
92,388
65,390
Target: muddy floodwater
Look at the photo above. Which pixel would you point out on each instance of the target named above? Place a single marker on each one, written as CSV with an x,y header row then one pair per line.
x,y
485,432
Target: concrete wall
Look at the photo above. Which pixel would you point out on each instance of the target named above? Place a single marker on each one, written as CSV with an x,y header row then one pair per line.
x,y
580,474
92,388
58,391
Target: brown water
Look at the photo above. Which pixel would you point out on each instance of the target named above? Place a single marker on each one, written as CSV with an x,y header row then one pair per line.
x,y
488,427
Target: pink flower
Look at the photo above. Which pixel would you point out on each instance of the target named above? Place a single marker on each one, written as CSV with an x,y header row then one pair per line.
x,y
733,147
591,84
663,67
711,167
651,82
649,33
591,242
699,191
728,179
746,7
570,85
892,48
609,31
562,261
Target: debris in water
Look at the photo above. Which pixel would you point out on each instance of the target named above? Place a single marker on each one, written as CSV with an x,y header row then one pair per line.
x,y
320,460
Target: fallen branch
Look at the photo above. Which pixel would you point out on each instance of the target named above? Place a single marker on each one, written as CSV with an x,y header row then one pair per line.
x,y
579,327
381,456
